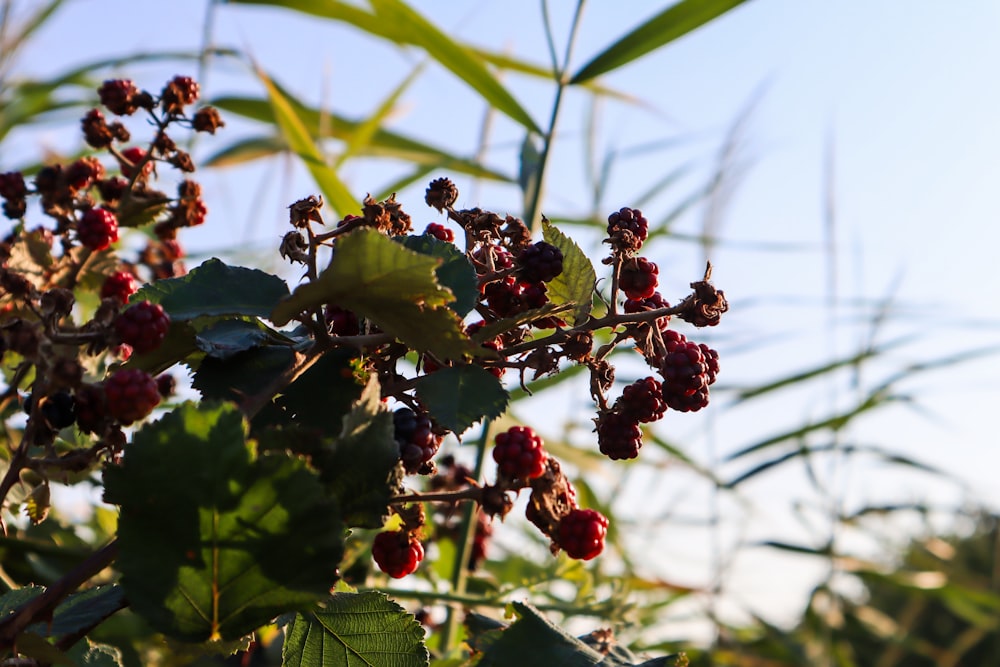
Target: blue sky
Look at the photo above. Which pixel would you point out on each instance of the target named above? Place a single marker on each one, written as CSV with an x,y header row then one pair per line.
x,y
899,99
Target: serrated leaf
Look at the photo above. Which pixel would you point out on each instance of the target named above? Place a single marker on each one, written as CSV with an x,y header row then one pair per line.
x,y
210,558
216,289
670,24
575,284
337,194
459,396
320,397
355,630
455,271
393,286
230,337
533,641
361,468
178,345
82,610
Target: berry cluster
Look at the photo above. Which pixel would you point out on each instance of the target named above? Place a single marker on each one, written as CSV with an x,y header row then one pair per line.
x,y
515,275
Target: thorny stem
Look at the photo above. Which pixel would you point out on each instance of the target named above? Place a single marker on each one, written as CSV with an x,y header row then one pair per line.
x,y
471,493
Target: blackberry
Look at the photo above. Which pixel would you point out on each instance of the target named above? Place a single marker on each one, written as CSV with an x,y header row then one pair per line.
x,y
131,395
618,437
638,278
95,129
178,93
119,286
12,185
97,229
84,172
687,372
59,410
143,326
397,553
582,532
627,229
711,361
91,408
642,401
519,453
540,262
340,321
416,439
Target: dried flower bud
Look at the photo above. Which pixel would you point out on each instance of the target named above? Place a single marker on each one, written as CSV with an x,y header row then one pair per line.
x,y
95,130
441,194
294,248
207,119
304,211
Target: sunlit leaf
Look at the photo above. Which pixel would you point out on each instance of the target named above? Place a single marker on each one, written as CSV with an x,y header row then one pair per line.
x,y
460,396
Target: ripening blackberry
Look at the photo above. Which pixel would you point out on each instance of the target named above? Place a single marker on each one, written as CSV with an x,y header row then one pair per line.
x,y
653,302
397,553
627,229
619,437
519,453
581,533
638,278
540,262
416,439
642,401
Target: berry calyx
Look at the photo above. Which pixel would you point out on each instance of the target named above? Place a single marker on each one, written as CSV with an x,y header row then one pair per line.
x,y
416,439
143,326
619,437
638,278
97,229
642,401
519,453
582,532
540,262
119,286
131,395
397,553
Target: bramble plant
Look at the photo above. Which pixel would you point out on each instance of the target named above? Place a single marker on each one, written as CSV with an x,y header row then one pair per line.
x,y
321,407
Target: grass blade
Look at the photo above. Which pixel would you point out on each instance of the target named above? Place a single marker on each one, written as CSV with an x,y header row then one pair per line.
x,y
670,24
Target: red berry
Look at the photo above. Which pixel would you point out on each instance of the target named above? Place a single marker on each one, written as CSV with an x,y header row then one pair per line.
x,y
582,533
91,408
131,394
118,95
397,553
143,326
166,385
540,262
416,439
638,278
97,229
84,172
711,361
642,401
440,232
519,453
618,436
687,372
120,285
135,155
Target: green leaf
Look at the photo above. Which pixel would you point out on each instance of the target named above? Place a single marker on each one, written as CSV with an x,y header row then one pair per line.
x,y
215,541
33,646
533,641
355,630
81,611
455,272
361,468
216,289
247,150
302,144
576,283
320,397
230,337
670,24
179,344
241,375
394,287
459,396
